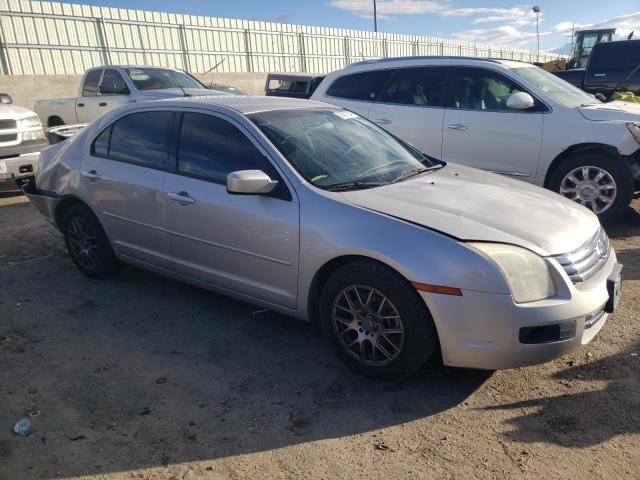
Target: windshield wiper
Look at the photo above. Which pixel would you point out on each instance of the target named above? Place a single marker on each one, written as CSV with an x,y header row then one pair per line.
x,y
414,172
346,186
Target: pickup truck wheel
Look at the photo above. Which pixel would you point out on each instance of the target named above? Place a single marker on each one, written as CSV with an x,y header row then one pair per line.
x,y
87,244
603,183
376,321
55,122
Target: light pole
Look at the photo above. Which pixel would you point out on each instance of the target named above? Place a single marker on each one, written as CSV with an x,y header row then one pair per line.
x,y
536,10
375,16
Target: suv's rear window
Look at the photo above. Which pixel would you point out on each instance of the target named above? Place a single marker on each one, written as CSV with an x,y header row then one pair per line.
x,y
359,86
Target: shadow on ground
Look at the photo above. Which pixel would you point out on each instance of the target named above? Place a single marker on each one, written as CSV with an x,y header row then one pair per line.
x,y
570,420
175,374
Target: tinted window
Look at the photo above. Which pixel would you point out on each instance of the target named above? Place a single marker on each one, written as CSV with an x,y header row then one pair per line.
x,y
112,82
610,57
159,78
142,138
90,87
101,144
283,85
212,148
415,86
359,86
478,89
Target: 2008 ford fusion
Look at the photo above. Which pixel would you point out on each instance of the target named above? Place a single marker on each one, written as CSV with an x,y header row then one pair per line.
x,y
312,211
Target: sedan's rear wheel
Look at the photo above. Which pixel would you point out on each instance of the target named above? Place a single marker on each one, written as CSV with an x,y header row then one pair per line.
x,y
376,321
87,244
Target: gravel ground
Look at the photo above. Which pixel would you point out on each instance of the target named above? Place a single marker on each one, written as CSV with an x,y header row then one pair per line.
x,y
144,377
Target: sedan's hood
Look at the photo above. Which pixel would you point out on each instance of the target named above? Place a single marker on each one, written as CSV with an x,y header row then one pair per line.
x,y
469,204
623,111
14,112
177,92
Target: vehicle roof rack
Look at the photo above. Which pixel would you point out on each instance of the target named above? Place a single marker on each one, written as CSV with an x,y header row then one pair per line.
x,y
431,57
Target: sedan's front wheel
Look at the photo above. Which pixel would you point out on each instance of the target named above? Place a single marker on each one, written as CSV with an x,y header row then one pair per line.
x,y
376,321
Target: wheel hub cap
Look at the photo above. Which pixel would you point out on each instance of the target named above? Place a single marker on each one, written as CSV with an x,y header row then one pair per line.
x,y
590,186
368,325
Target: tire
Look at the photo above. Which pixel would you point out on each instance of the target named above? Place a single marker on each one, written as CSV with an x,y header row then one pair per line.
x,y
87,244
55,122
615,169
411,349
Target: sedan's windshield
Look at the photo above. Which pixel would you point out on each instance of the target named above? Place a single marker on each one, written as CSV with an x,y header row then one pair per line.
x,y
159,78
337,149
562,92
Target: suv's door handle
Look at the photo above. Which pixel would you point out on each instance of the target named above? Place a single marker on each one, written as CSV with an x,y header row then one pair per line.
x,y
102,104
457,126
182,197
81,104
599,74
382,121
91,175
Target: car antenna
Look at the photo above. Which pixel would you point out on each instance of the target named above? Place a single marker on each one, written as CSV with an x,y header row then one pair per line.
x,y
184,92
212,70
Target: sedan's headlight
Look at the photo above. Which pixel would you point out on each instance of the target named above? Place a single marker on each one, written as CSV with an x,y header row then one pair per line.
x,y
30,122
526,273
634,128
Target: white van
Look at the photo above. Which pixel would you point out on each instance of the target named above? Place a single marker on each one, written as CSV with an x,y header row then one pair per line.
x,y
503,116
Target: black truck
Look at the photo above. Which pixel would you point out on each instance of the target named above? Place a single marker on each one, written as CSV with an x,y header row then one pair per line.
x,y
612,67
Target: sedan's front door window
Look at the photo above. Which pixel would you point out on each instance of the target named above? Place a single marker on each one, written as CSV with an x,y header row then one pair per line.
x,y
211,148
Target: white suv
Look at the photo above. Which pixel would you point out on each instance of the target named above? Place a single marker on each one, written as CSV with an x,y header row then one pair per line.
x,y
503,116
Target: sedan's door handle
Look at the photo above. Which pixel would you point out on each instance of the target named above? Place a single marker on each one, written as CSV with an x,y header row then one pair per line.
x,y
102,104
382,121
91,175
182,197
457,126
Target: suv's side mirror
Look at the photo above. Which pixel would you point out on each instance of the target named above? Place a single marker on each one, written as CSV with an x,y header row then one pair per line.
x,y
520,101
250,182
5,98
110,90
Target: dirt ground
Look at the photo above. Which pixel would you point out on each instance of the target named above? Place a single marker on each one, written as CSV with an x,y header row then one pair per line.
x,y
140,377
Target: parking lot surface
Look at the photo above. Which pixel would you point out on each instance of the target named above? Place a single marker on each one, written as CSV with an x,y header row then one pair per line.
x,y
139,376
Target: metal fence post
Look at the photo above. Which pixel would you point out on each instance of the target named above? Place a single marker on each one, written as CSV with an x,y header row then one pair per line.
x,y
442,49
385,52
247,49
106,54
303,57
347,53
5,66
183,46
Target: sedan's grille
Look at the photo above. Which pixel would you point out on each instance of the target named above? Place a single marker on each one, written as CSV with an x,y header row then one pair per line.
x,y
8,137
583,263
7,124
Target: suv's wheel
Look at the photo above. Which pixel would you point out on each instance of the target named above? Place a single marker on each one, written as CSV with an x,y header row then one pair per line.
x,y
600,182
376,321
87,244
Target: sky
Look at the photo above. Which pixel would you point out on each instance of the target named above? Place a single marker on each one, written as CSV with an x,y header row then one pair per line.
x,y
490,21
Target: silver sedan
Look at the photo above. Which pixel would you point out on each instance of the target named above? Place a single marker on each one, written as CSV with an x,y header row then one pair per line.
x,y
312,211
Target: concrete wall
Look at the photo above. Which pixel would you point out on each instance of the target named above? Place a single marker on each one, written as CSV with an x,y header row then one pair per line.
x,y
26,89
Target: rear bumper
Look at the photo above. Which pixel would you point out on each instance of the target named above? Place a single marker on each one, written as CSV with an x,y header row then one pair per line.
x,y
45,201
489,331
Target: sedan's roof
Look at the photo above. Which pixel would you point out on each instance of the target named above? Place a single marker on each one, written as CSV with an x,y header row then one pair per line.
x,y
247,105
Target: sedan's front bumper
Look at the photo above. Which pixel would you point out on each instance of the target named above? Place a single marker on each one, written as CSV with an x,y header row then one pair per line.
x,y
484,330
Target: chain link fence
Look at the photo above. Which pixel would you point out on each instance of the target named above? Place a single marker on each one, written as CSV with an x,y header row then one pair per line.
x,y
48,38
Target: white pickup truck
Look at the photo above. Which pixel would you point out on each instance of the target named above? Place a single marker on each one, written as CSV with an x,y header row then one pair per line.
x,y
21,139
103,88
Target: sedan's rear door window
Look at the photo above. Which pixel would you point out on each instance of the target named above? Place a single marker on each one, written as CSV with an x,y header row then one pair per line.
x,y
141,138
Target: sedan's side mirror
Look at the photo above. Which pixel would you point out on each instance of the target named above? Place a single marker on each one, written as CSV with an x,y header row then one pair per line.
x,y
250,182
520,101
